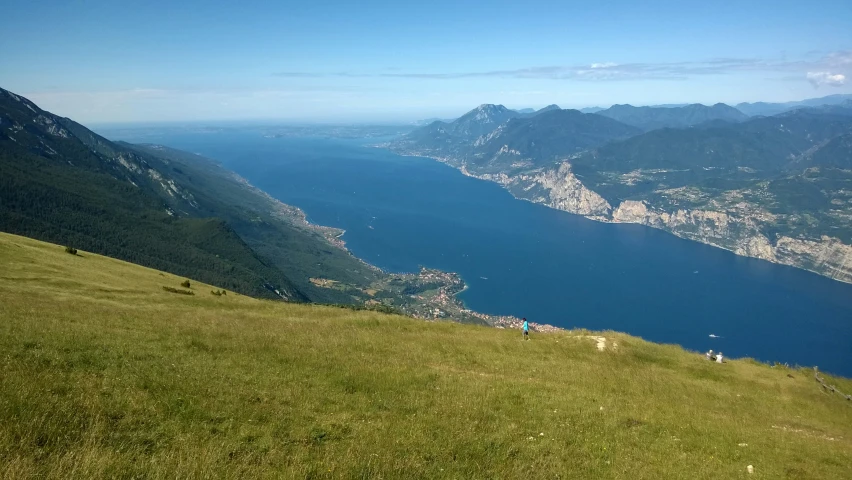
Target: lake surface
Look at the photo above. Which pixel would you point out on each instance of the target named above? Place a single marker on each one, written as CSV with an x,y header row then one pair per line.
x,y
552,267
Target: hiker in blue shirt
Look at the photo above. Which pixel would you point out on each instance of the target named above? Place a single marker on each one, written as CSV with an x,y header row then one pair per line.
x,y
526,328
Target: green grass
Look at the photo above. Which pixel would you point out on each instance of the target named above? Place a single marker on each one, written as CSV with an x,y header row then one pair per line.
x,y
103,374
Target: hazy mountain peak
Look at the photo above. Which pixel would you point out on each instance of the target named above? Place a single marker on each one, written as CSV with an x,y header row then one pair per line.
x,y
490,107
481,120
489,113
529,112
548,108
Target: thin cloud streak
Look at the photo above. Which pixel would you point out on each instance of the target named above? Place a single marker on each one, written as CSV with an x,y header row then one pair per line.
x,y
610,71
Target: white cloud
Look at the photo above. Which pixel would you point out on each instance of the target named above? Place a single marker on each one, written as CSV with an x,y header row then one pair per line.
x,y
604,65
818,79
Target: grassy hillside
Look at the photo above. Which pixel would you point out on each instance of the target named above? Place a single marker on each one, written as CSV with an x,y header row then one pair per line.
x,y
103,374
301,251
62,183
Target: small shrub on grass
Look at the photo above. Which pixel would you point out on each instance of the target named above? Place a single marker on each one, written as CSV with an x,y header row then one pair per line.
x,y
318,435
71,250
185,284
177,290
217,293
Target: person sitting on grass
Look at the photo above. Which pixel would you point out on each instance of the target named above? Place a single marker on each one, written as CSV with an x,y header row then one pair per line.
x,y
709,355
719,358
526,328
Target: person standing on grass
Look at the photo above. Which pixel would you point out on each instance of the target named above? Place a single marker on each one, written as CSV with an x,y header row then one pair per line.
x,y
526,328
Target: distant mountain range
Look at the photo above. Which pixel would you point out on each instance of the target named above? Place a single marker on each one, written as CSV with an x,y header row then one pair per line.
x,y
757,108
772,187
530,112
763,143
652,118
543,138
495,139
764,108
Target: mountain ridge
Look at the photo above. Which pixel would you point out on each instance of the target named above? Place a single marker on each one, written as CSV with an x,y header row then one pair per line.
x,y
64,183
652,118
510,143
544,137
769,108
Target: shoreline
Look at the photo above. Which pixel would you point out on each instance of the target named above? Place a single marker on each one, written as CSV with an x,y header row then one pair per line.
x,y
464,171
333,235
432,306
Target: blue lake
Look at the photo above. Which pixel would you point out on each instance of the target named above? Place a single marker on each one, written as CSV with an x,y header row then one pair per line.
x,y
523,259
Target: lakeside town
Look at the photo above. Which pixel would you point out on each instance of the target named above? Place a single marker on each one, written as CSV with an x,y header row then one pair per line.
x,y
430,295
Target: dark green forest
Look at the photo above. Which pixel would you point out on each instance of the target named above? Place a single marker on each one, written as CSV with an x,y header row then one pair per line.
x,y
55,187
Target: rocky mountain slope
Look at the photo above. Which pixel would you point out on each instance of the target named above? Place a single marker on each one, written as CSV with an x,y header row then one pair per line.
x,y
63,183
777,188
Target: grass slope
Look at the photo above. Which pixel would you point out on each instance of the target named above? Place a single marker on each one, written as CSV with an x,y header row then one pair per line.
x,y
103,374
62,183
301,252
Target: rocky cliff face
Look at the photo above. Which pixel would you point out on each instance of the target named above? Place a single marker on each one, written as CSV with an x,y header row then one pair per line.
x,y
569,194
740,234
827,256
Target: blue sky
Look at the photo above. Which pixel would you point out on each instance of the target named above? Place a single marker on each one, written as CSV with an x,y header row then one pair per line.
x,y
342,61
